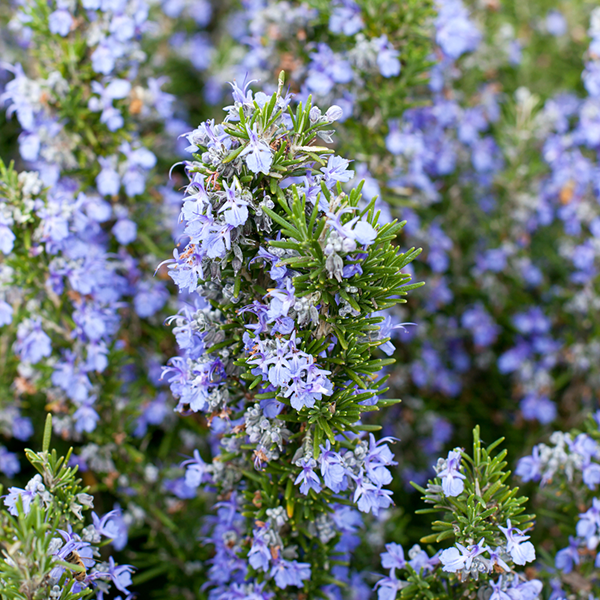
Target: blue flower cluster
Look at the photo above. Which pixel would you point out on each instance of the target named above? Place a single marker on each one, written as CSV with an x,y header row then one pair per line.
x,y
243,268
77,229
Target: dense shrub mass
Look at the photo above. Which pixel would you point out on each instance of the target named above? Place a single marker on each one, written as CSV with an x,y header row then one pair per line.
x,y
295,295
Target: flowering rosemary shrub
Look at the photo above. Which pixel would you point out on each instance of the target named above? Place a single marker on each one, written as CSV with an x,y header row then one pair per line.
x,y
482,515
494,166
287,275
475,122
48,552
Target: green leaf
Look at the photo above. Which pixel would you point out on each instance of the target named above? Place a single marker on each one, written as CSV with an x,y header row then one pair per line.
x,y
288,228
47,433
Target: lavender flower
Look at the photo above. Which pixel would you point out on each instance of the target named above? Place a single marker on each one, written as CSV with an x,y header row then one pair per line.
x,y
259,156
520,550
452,478
460,557
307,478
33,488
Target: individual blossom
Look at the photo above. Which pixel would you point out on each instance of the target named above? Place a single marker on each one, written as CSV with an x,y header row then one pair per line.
x,y
33,488
378,458
420,561
9,462
337,171
32,343
60,22
289,572
394,558
332,469
588,525
353,231
196,471
520,550
234,209
388,587
260,555
455,31
460,557
452,478
568,557
370,497
498,590
113,527
345,17
117,89
482,326
387,57
120,575
259,156
307,478
556,23
7,237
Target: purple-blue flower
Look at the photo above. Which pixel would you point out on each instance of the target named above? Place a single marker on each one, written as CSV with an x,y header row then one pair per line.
x,y
307,478
520,550
567,557
32,343
388,587
458,557
588,525
332,470
529,468
33,488
452,478
387,58
394,558
120,575
289,572
235,211
9,462
336,170
259,155
259,556
60,21
117,89
7,237
113,527
195,471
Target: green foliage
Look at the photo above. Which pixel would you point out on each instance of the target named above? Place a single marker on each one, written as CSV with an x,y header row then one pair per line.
x,y
486,502
27,563
26,539
471,518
